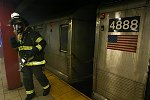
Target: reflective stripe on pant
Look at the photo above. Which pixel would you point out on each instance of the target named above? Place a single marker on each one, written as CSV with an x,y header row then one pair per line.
x,y
30,92
28,77
45,87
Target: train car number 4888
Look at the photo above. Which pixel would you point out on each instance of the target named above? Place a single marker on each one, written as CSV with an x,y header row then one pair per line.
x,y
127,24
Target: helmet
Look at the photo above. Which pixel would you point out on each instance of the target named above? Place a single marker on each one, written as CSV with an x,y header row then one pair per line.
x,y
17,19
14,15
18,23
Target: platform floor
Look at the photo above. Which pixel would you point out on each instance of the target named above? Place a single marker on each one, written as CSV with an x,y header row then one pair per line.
x,y
59,89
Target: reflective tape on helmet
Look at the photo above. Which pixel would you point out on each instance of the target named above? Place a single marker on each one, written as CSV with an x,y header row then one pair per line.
x,y
25,48
38,39
30,92
47,86
39,47
35,63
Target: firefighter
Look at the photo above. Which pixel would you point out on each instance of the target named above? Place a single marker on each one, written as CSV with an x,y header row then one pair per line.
x,y
30,46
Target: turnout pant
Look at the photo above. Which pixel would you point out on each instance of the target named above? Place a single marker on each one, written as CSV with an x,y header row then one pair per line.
x,y
28,72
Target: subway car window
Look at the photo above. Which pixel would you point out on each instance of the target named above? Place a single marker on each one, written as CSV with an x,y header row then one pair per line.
x,y
63,38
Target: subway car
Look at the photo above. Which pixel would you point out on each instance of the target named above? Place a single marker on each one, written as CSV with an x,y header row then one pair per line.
x,y
122,51
70,44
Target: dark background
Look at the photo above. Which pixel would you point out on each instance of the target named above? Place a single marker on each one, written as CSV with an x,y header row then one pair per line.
x,y
39,10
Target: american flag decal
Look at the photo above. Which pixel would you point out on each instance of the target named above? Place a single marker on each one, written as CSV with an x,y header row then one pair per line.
x,y
122,42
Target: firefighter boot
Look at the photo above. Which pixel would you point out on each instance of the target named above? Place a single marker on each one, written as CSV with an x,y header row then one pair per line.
x,y
46,91
30,96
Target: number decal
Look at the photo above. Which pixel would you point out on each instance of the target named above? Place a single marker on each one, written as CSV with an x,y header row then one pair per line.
x,y
119,25
112,25
127,24
134,24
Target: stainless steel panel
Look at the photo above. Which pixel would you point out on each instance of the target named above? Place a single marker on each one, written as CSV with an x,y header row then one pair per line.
x,y
56,59
119,62
120,75
115,87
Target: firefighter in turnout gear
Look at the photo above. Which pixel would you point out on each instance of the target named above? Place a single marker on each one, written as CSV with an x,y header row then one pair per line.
x,y
30,46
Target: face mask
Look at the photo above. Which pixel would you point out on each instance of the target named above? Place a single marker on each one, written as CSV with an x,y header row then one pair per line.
x,y
18,28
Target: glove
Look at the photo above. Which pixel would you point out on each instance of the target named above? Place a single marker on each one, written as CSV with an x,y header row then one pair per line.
x,y
23,61
14,43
